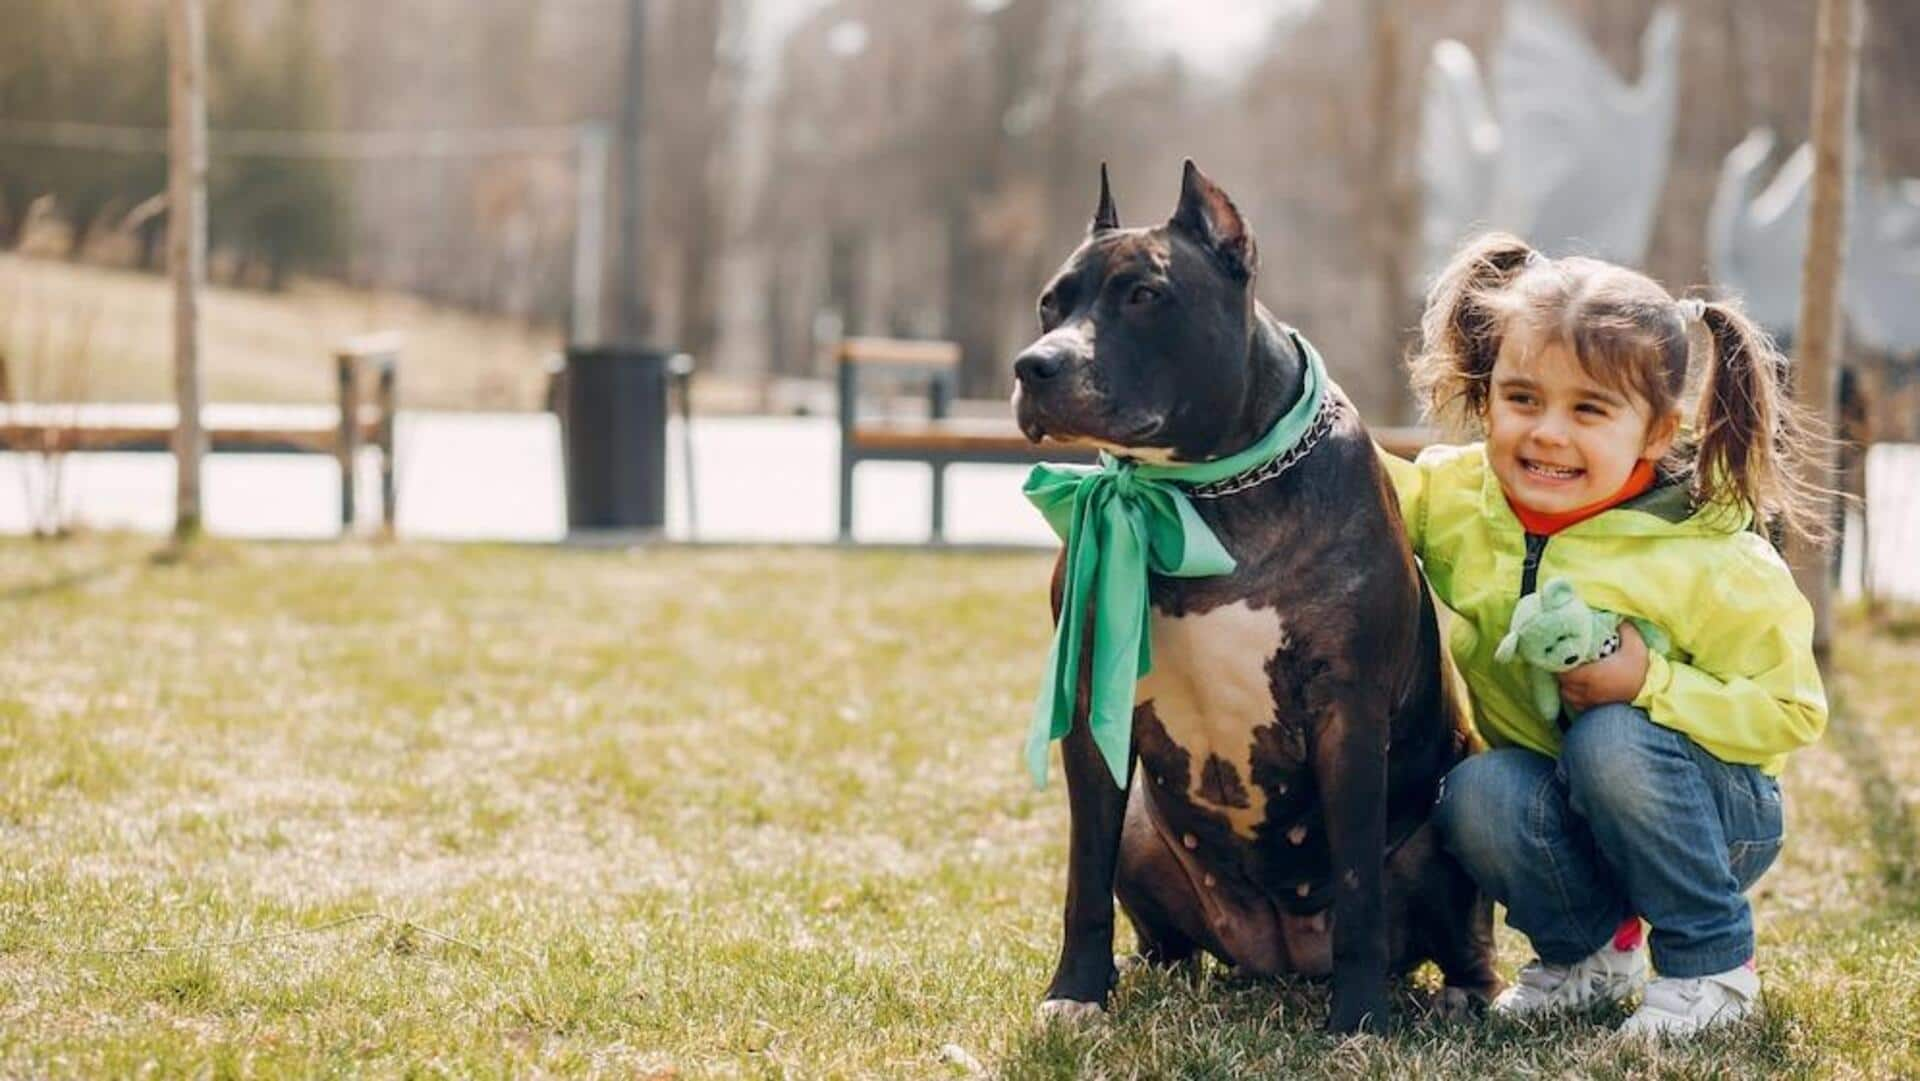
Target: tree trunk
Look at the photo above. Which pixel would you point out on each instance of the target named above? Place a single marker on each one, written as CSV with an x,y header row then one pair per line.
x,y
187,247
630,310
1395,237
971,310
1835,89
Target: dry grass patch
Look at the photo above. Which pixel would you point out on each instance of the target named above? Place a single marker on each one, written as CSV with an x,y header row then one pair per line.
x,y
265,347
482,811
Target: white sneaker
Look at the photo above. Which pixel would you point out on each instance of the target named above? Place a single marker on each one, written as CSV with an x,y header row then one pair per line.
x,y
1608,975
1685,1006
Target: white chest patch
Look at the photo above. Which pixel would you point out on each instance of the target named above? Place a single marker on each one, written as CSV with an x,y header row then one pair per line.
x,y
1209,687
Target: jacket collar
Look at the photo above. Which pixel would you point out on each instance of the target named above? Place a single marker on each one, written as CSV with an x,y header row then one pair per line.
x,y
1666,509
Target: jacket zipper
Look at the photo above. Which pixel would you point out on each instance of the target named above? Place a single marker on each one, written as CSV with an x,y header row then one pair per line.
x,y
1529,581
1530,568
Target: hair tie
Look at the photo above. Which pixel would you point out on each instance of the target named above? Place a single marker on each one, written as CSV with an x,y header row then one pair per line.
x,y
1693,309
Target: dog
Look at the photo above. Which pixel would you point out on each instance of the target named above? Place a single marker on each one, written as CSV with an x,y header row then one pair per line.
x,y
1290,737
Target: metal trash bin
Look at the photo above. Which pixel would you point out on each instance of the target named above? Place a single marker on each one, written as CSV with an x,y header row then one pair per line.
x,y
613,421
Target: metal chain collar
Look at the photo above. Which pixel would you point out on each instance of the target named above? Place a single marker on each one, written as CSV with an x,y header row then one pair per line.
x,y
1322,424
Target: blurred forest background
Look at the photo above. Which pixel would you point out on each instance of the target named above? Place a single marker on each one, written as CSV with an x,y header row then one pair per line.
x,y
917,168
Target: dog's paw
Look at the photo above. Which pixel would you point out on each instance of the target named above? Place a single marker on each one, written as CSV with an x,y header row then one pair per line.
x,y
1351,1018
1066,1011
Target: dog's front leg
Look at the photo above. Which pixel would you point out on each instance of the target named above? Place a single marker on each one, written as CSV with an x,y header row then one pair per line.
x,y
1350,765
1098,808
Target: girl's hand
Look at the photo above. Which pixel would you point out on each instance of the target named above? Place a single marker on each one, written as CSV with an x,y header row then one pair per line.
x,y
1611,679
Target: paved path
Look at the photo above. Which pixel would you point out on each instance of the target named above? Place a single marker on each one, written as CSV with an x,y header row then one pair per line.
x,y
496,476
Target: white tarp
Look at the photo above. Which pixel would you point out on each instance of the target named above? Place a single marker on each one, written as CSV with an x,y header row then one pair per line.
x,y
1757,240
1564,151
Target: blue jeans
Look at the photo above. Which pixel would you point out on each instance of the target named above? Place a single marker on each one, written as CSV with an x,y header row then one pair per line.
x,y
1631,819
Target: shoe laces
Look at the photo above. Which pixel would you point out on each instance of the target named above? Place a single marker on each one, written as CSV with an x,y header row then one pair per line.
x,y
1688,991
1541,976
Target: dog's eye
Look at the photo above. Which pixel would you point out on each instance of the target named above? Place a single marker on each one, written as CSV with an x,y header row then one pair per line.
x,y
1143,294
1049,306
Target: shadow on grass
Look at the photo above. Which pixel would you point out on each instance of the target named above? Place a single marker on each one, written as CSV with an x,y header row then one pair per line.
x,y
1218,1026
1890,825
1205,1021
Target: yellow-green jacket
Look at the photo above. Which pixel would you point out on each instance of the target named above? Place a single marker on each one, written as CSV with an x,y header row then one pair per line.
x,y
1741,683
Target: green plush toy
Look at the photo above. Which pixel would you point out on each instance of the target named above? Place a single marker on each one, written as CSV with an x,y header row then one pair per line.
x,y
1554,630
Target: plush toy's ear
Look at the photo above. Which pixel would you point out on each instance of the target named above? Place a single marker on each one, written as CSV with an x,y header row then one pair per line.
x,y
1558,593
1504,651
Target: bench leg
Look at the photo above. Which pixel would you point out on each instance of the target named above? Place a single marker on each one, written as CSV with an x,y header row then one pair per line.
x,y
389,494
846,497
848,385
939,502
348,440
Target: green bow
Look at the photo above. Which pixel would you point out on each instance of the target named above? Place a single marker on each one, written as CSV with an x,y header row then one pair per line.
x,y
1121,520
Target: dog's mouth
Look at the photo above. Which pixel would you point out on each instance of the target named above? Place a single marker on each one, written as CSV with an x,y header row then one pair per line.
x,y
1032,428
1122,433
1124,439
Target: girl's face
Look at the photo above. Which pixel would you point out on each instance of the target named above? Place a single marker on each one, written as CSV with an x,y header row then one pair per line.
x,y
1558,440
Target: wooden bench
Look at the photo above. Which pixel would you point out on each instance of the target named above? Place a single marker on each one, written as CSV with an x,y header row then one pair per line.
x,y
941,440
65,428
938,439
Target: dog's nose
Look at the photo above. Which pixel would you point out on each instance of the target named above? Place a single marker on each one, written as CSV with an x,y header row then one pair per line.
x,y
1037,367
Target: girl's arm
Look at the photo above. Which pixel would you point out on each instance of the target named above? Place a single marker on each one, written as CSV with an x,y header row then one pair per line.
x,y
1750,689
1410,484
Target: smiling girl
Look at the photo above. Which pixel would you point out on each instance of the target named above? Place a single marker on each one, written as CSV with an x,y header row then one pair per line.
x,y
1661,799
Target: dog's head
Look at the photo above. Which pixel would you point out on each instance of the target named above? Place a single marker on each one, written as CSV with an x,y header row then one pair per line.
x,y
1145,333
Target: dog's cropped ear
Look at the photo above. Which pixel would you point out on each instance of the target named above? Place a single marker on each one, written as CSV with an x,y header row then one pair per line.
x,y
1208,216
1105,217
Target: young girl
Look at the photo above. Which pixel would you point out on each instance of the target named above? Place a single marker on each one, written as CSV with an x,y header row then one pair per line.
x,y
1660,800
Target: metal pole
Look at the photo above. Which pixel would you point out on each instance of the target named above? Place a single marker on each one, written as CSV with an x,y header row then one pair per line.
x,y
187,247
680,371
589,232
1836,84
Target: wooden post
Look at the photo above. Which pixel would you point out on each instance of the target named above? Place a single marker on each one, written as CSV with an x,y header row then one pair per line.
x,y
187,246
388,405
345,447
1836,84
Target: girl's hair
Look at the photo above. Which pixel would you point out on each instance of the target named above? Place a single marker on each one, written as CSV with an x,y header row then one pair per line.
x,y
1747,442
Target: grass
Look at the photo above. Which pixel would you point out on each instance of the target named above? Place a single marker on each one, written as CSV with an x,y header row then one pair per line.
x,y
431,811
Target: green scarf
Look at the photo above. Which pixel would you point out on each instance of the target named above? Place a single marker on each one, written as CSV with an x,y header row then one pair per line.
x,y
1121,520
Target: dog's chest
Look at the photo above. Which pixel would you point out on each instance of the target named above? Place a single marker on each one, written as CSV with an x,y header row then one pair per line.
x,y
1212,690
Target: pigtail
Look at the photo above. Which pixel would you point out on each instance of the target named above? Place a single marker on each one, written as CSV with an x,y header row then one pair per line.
x,y
1460,332
1753,442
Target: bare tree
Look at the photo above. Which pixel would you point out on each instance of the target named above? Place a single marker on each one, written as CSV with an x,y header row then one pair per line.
x,y
1836,85
696,78
187,247
1394,234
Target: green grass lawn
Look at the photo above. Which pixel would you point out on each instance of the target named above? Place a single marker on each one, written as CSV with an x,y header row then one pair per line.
x,y
423,810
